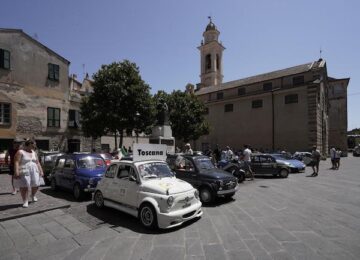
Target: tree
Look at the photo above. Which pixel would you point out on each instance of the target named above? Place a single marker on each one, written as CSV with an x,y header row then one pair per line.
x,y
186,115
121,101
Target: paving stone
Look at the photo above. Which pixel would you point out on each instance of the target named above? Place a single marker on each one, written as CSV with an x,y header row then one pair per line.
x,y
54,213
281,234
122,247
168,252
243,232
51,249
57,230
78,253
214,252
351,245
232,241
96,235
256,250
194,257
12,256
207,232
193,247
299,250
99,249
269,243
281,255
72,224
141,250
171,239
44,238
35,228
240,254
253,227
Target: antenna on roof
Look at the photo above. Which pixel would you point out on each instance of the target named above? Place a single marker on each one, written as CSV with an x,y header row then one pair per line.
x,y
320,52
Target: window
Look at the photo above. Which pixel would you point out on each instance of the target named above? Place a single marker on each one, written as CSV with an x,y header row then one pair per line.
x,y
241,91
53,117
53,73
208,62
293,98
110,173
229,108
5,114
299,80
74,119
60,163
257,103
267,86
217,62
4,59
219,95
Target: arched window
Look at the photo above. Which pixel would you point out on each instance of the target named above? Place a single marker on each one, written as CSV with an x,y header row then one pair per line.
x,y
217,62
208,61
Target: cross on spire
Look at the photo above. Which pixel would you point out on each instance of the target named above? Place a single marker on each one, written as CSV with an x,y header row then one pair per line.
x,y
210,19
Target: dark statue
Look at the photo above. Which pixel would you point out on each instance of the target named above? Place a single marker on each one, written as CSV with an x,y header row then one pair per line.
x,y
162,112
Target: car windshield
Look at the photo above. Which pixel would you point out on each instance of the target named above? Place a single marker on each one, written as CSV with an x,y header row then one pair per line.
x,y
204,163
154,170
90,163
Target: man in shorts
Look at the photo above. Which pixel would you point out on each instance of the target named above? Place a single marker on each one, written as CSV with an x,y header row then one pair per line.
x,y
315,155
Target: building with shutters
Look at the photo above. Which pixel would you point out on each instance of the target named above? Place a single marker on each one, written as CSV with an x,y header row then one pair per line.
x,y
38,99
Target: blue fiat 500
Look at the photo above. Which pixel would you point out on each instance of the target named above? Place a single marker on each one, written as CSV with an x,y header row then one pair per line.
x,y
78,173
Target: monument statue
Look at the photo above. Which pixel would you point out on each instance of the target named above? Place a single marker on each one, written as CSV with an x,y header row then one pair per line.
x,y
162,112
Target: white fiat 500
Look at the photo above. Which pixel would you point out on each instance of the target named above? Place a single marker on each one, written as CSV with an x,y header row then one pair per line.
x,y
150,191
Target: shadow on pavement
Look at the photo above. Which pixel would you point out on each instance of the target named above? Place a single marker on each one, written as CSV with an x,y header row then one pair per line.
x,y
5,193
63,194
11,206
118,218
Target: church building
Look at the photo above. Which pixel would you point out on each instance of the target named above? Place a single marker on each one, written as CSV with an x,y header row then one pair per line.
x,y
289,109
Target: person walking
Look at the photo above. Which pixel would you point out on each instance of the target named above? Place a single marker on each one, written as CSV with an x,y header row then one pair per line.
x,y
10,160
217,153
247,161
27,172
315,156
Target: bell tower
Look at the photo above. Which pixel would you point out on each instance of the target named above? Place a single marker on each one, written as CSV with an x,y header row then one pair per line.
x,y
211,57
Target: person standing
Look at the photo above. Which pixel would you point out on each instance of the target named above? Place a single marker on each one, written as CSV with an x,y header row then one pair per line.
x,y
332,157
315,156
228,154
337,158
27,172
188,149
9,160
247,161
217,153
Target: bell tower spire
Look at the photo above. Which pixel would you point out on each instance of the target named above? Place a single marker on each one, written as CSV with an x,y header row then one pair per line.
x,y
211,57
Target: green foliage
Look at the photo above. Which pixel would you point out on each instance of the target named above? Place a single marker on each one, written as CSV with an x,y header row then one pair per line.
x,y
186,115
355,131
121,101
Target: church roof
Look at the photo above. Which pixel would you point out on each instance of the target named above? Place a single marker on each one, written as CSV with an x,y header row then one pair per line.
x,y
316,65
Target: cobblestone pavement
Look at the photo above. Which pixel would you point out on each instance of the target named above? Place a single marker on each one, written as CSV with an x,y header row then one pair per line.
x,y
269,218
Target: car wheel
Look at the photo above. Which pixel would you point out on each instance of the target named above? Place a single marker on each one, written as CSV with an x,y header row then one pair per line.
x,y
147,216
206,195
241,177
99,199
283,173
78,193
53,184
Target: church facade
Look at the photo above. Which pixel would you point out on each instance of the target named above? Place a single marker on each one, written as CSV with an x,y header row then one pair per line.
x,y
288,109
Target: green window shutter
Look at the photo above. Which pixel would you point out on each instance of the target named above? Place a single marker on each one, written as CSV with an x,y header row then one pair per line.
x,y
56,72
6,60
50,71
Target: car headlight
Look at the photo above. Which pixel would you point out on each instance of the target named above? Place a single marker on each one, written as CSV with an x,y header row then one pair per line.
x,y
287,164
170,201
196,193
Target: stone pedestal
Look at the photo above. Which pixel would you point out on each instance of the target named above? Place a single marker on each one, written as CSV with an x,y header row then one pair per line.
x,y
163,135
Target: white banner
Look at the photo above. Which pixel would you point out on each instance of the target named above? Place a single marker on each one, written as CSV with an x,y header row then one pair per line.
x,y
149,152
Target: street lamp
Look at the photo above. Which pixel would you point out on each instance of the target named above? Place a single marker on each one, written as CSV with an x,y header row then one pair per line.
x,y
137,116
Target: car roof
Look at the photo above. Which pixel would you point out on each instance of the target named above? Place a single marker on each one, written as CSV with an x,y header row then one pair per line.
x,y
80,155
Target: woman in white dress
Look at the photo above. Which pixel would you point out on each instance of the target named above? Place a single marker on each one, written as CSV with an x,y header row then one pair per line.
x,y
27,172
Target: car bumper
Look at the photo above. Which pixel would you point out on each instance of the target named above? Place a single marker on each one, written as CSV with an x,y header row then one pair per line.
x,y
178,217
297,169
224,192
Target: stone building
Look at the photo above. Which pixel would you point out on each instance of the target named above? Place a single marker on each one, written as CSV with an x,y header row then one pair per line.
x,y
286,109
35,98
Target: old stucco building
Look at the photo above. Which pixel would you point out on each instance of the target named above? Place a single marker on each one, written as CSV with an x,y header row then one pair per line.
x,y
35,98
289,109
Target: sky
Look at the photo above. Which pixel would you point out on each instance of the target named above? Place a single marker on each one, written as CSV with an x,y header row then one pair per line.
x,y
162,36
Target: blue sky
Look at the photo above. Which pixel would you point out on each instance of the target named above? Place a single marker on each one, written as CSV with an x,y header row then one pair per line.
x,y
162,36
